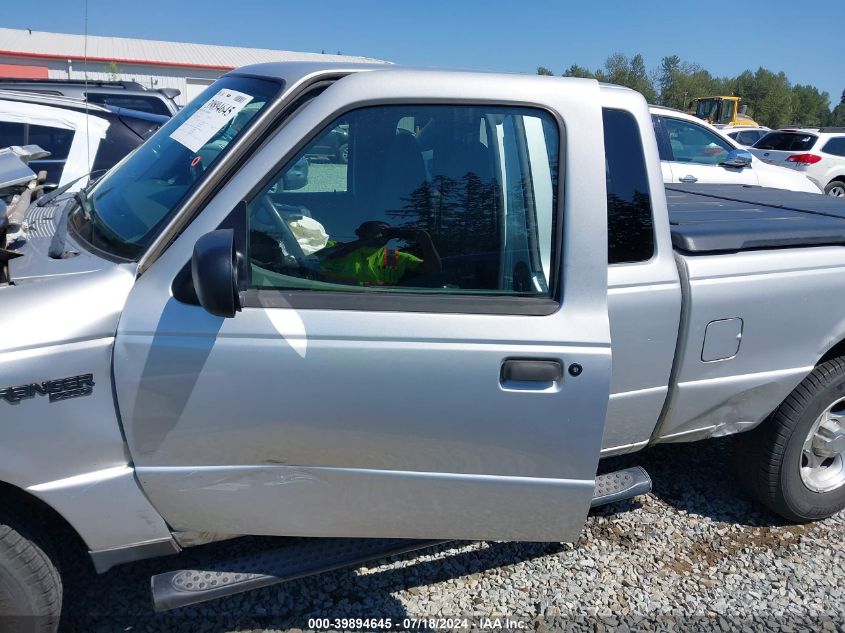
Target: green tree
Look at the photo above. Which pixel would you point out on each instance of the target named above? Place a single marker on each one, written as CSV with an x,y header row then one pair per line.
x,y
837,117
630,72
681,82
667,79
812,108
771,99
577,71
639,79
618,69
768,95
542,70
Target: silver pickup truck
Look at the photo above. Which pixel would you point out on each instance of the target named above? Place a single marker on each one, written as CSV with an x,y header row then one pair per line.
x,y
435,339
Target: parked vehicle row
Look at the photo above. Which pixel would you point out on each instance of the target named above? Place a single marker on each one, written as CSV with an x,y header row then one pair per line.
x,y
693,151
194,351
818,153
129,95
745,136
80,137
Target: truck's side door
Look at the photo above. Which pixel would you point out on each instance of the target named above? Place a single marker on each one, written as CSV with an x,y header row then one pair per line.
x,y
423,349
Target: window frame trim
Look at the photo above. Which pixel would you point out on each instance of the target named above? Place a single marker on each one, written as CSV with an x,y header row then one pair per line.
x,y
418,300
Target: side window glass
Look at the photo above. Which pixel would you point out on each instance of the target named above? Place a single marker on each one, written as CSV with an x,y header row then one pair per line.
x,y
629,215
11,133
436,199
693,143
835,146
55,140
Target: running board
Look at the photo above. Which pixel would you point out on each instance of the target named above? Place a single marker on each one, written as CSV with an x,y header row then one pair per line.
x,y
185,587
619,485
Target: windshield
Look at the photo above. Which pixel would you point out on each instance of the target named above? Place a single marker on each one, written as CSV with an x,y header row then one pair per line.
x,y
727,114
707,109
126,209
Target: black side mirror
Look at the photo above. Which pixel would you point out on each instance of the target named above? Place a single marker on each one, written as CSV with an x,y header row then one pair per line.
x,y
214,269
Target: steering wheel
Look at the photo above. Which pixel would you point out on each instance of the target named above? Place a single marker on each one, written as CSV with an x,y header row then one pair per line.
x,y
283,232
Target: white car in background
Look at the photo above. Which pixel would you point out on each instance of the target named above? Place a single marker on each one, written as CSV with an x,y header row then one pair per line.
x,y
745,136
818,153
694,151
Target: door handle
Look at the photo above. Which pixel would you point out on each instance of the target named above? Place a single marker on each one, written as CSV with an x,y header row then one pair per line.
x,y
529,370
689,179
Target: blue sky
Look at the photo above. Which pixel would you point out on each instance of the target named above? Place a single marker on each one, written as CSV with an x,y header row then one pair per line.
x,y
488,35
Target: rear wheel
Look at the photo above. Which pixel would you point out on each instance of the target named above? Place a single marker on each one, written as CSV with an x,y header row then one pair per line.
x,y
835,188
30,586
794,463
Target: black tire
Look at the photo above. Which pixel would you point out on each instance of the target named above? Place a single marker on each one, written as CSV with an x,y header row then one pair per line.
x,y
769,457
835,188
343,154
30,585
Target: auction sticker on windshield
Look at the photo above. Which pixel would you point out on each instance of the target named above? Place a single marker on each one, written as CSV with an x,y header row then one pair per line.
x,y
203,124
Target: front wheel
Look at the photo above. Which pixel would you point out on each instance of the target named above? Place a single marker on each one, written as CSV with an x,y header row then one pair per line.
x,y
794,463
835,188
30,586
343,154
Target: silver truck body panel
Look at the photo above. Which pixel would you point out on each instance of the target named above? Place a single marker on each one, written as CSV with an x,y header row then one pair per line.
x,y
387,424
69,453
644,304
315,422
792,313
40,223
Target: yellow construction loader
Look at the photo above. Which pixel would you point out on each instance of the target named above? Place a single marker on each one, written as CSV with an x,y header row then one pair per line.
x,y
722,111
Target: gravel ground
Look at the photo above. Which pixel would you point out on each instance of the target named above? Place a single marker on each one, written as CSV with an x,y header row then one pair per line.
x,y
694,554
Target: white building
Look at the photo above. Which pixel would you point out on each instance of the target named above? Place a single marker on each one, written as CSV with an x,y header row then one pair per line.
x,y
155,64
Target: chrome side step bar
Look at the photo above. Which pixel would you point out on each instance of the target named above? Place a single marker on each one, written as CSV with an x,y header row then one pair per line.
x,y
185,587
619,485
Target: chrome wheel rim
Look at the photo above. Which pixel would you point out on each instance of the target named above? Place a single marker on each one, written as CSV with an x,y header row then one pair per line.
x,y
837,191
823,453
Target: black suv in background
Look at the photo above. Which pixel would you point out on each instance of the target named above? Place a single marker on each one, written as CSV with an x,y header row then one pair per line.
x,y
120,94
334,145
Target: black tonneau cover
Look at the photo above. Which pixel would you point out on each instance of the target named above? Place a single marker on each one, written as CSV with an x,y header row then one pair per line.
x,y
726,218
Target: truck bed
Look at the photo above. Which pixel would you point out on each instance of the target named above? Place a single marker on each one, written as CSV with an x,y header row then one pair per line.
x,y
731,218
